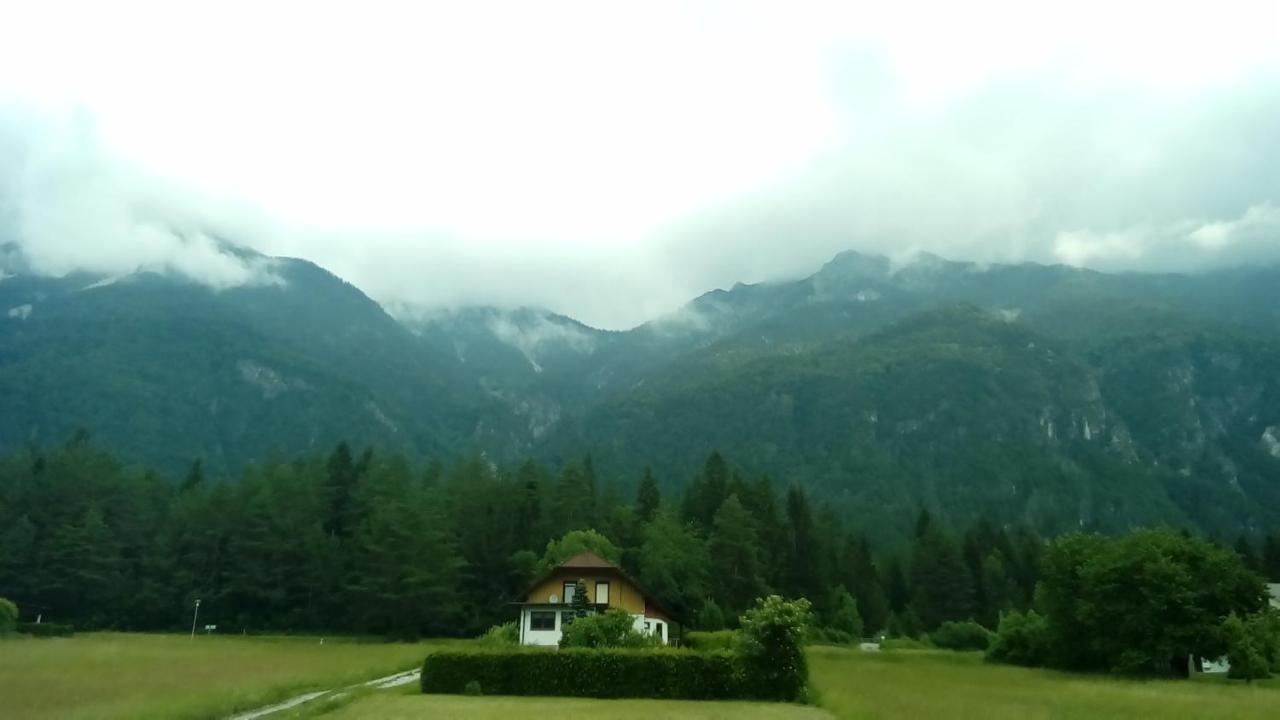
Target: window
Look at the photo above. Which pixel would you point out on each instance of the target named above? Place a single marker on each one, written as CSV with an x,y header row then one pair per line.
x,y
569,587
657,629
542,620
602,593
646,626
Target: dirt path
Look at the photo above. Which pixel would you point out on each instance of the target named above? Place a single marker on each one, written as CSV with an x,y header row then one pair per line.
x,y
390,681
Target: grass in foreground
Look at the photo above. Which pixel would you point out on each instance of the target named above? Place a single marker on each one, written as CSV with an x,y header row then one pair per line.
x,y
938,684
400,706
119,675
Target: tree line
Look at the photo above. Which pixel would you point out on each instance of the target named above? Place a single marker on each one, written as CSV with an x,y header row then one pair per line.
x,y
370,543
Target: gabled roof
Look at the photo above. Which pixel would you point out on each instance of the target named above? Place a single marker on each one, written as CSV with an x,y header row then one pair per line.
x,y
591,561
585,560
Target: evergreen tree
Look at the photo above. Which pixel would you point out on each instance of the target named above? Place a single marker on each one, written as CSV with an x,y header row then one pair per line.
x,y
1271,557
942,586
804,577
581,602
648,498
707,492
732,548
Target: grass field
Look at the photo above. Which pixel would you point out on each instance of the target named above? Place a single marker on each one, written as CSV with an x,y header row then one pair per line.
x,y
401,706
935,684
106,675
111,675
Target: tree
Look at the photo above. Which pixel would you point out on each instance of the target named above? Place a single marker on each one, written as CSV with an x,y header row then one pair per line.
x,y
845,617
707,491
804,577
710,616
674,564
580,604
942,587
405,570
648,498
611,628
8,616
733,553
1271,557
772,646
577,542
1251,646
1144,602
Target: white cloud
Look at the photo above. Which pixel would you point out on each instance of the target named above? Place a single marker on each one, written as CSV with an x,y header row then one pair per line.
x,y
612,161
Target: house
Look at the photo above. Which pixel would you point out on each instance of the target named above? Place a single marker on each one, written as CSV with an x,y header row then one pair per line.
x,y
545,610
1273,590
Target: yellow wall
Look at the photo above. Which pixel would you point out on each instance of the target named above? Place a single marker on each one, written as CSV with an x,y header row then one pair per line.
x,y
622,594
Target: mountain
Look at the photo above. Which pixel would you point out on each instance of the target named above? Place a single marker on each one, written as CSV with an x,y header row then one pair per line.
x,y
167,370
1052,395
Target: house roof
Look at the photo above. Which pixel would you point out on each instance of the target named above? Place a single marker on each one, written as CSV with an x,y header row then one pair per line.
x,y
591,561
586,560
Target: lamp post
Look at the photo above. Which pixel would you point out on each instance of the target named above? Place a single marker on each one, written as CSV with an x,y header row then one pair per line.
x,y
193,619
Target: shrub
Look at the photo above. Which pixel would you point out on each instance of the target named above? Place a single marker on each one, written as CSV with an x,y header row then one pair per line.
x,y
708,641
845,617
831,636
710,617
612,628
771,647
8,616
1020,640
45,629
1253,645
905,624
589,672
964,635
905,643
500,635
473,689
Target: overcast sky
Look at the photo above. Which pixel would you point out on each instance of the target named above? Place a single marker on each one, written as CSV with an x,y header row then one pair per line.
x,y
612,160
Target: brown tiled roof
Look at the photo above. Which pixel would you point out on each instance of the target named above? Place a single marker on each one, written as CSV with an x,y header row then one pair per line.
x,y
586,560
591,561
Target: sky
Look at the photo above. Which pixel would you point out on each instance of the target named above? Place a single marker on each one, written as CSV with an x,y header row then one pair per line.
x,y
610,161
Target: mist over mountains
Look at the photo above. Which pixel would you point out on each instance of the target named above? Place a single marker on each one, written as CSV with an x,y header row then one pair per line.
x,y
1053,395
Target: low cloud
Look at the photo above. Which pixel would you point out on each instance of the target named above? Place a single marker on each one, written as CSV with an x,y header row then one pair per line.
x,y
1252,237
69,206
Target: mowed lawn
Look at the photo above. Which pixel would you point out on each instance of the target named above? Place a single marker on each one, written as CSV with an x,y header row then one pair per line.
x,y
119,675
415,706
939,684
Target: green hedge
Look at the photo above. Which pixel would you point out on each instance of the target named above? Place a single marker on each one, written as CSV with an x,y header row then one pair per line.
x,y
45,629
583,672
706,641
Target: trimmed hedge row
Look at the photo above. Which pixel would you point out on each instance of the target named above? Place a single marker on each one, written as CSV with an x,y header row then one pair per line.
x,y
590,672
711,640
45,629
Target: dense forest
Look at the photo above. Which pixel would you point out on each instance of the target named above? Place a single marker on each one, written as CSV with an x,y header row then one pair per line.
x,y
1055,397
367,543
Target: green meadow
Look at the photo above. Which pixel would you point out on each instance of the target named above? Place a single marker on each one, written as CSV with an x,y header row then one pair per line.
x,y
112,675
118,675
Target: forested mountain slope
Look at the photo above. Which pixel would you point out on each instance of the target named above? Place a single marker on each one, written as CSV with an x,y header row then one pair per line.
x,y
1050,395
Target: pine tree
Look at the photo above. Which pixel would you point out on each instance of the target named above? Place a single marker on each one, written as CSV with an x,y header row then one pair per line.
x,y
942,586
648,498
707,491
732,548
1271,557
804,576
581,603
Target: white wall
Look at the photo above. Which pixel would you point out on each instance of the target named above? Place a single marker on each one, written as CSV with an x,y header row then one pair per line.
x,y
530,636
